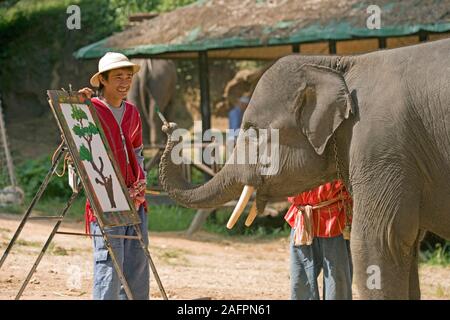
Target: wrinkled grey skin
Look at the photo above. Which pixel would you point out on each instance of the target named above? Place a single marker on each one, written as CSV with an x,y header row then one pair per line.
x,y
390,114
155,82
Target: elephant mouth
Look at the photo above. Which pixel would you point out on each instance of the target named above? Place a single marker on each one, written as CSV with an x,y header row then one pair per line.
x,y
265,192
256,208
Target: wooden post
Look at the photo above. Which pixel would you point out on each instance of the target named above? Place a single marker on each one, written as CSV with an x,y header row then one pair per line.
x,y
9,162
204,95
332,47
204,90
198,221
423,36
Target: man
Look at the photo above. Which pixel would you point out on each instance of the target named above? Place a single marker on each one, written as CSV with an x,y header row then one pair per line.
x,y
122,125
235,116
319,219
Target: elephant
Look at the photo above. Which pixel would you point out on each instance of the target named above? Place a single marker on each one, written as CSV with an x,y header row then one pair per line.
x,y
153,86
381,122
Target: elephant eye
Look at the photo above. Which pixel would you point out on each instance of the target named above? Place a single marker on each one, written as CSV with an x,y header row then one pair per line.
x,y
247,125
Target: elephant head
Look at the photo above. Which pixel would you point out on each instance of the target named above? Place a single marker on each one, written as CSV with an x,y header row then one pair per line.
x,y
306,100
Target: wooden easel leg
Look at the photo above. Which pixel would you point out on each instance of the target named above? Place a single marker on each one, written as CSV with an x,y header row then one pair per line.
x,y
36,198
150,260
47,243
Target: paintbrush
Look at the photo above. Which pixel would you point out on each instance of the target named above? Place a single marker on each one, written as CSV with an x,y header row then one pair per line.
x,y
161,116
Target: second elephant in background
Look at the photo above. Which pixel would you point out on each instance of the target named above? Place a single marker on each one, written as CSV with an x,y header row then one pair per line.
x,y
153,86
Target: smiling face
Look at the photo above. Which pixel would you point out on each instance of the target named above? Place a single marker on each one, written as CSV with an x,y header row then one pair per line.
x,y
116,83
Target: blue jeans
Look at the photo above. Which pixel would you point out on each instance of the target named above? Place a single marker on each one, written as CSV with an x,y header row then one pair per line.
x,y
330,254
131,259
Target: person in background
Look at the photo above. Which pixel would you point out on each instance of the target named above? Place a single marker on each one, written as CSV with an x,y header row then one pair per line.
x,y
235,116
320,221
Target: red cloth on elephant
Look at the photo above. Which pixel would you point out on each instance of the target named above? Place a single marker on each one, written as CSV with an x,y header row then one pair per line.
x,y
132,130
329,221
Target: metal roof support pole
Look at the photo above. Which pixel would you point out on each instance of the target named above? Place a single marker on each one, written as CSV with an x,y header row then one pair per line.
x,y
382,43
204,97
423,36
332,47
9,161
204,90
296,48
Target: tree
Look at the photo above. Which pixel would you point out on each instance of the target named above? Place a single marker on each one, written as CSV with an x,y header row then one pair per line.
x,y
87,131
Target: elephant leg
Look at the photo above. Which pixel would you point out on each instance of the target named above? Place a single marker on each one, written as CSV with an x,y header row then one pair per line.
x,y
383,242
381,276
414,286
151,121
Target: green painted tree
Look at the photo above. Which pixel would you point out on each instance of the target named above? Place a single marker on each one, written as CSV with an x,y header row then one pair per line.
x,y
87,130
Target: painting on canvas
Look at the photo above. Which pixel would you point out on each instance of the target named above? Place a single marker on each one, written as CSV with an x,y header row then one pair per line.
x,y
90,151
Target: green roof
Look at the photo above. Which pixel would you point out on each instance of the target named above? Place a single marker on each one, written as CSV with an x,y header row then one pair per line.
x,y
218,24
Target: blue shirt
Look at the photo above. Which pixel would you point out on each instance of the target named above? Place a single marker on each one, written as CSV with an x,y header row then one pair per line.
x,y
235,118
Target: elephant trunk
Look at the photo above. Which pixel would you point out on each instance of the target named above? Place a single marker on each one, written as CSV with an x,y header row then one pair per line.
x,y
225,186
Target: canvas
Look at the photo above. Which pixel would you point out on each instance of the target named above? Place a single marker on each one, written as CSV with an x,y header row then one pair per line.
x,y
92,156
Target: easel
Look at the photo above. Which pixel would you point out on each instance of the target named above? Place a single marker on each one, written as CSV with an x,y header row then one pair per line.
x,y
76,187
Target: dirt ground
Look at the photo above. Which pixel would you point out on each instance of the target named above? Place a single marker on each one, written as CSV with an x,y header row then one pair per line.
x,y
204,266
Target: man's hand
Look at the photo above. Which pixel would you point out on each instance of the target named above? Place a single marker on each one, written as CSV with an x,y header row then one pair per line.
x,y
137,193
87,92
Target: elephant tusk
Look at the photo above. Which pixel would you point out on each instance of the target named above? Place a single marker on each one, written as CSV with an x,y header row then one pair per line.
x,y
243,200
251,215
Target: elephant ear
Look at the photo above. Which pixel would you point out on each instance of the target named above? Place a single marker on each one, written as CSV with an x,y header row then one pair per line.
x,y
322,103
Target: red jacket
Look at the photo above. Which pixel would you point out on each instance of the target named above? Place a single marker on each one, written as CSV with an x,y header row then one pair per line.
x,y
132,129
329,221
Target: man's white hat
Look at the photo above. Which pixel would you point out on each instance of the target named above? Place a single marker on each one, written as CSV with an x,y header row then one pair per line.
x,y
244,99
110,61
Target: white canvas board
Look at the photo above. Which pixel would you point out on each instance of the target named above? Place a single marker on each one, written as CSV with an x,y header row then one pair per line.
x,y
94,144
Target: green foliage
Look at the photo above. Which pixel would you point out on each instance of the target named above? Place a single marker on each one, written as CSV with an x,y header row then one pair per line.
x,y
168,5
176,218
55,205
169,218
25,19
439,255
4,178
5,4
102,17
197,176
85,154
78,130
31,174
152,177
34,36
14,208
123,8
262,227
90,130
78,114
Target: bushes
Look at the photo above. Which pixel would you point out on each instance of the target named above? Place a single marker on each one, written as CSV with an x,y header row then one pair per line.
x,y
31,174
169,218
262,227
36,41
437,255
197,176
